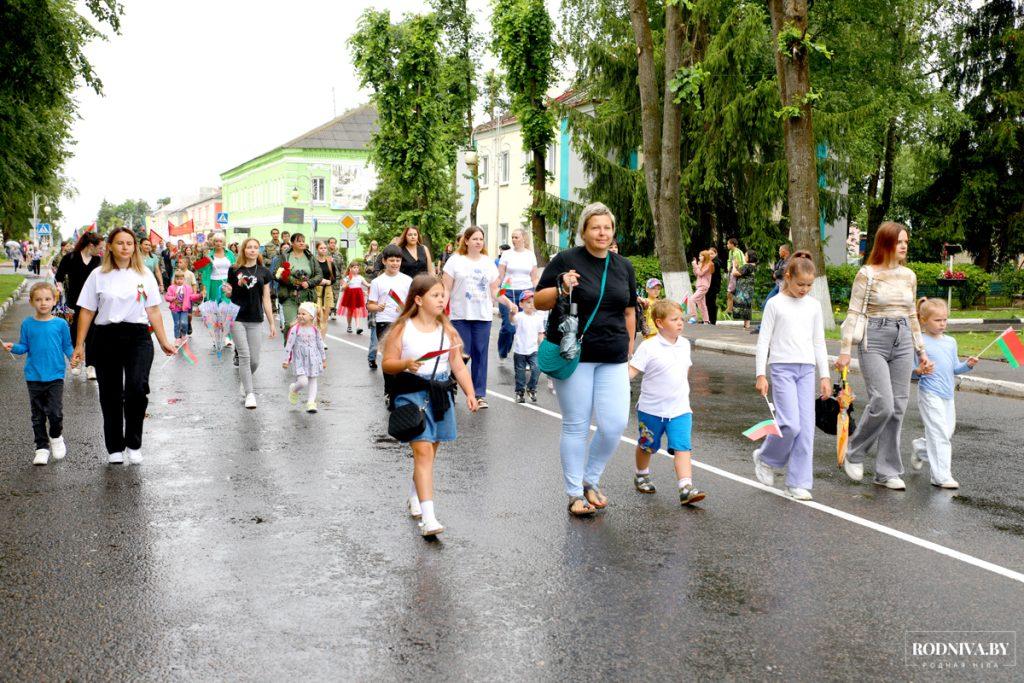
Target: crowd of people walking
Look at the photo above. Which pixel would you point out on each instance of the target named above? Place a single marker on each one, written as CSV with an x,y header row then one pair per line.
x,y
580,319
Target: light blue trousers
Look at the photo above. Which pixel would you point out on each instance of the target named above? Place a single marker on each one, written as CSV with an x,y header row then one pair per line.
x,y
793,393
601,391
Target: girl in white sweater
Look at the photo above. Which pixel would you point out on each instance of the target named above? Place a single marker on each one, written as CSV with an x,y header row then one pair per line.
x,y
791,346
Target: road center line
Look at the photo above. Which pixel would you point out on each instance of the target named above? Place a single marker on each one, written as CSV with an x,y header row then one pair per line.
x,y
860,521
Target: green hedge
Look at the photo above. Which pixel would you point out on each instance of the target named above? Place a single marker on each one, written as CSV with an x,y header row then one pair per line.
x,y
840,280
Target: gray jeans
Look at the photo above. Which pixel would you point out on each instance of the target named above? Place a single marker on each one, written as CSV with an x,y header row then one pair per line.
x,y
248,340
887,358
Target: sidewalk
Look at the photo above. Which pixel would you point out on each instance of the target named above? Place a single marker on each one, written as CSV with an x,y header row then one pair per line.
x,y
989,377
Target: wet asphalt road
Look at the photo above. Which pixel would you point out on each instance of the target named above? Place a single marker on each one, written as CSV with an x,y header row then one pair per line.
x,y
272,544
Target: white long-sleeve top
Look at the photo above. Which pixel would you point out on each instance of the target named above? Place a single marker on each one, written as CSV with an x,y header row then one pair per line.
x,y
792,331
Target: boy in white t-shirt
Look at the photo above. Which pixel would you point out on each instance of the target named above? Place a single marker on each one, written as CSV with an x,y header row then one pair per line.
x,y
664,405
529,326
388,292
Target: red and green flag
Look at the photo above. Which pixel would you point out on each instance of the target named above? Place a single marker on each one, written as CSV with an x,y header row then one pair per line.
x,y
763,429
185,351
506,287
397,299
1009,343
434,354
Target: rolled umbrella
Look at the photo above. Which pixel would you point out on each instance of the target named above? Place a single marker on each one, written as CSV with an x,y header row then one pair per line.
x,y
845,399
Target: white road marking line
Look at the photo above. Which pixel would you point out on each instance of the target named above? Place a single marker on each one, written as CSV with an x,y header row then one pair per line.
x,y
835,512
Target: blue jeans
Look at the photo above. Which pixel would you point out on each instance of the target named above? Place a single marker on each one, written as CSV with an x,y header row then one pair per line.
x,y
600,390
507,332
522,362
181,319
476,335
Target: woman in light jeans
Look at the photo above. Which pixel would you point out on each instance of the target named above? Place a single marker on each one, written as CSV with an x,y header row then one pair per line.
x,y
884,303
599,386
248,286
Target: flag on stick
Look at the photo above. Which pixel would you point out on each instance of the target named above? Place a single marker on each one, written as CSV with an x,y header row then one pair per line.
x,y
185,352
397,299
435,354
1009,343
506,287
765,427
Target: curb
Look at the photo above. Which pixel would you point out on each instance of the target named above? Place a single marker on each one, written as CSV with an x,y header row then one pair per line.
x,y
978,385
13,298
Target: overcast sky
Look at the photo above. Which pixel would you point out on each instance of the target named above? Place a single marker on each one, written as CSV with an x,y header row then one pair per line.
x,y
195,87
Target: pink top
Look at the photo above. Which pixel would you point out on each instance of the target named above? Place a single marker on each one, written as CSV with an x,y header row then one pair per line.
x,y
703,275
181,298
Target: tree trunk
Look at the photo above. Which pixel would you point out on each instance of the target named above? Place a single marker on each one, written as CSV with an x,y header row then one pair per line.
x,y
650,103
537,222
877,209
661,143
793,70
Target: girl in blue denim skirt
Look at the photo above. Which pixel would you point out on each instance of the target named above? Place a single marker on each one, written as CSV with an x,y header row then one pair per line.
x,y
422,353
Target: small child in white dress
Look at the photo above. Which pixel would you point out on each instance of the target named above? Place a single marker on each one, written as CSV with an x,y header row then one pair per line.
x,y
305,353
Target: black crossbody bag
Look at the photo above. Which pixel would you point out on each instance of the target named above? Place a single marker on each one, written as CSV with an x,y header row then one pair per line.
x,y
409,421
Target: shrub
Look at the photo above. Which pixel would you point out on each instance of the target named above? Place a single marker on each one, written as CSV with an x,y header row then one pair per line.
x,y
646,267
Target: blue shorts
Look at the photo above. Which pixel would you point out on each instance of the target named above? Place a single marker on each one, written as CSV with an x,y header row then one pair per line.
x,y
436,431
653,427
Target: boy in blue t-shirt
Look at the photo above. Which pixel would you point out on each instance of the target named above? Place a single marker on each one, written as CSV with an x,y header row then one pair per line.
x,y
47,341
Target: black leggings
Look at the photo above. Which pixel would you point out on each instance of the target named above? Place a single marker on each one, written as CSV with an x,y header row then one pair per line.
x,y
123,355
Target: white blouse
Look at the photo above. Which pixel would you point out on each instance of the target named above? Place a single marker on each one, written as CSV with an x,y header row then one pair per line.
x,y
120,296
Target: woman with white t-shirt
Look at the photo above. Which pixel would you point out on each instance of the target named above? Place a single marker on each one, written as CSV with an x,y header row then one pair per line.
x,y
517,271
471,280
123,300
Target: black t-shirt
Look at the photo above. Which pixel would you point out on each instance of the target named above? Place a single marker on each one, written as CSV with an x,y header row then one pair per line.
x,y
247,291
414,266
76,271
607,340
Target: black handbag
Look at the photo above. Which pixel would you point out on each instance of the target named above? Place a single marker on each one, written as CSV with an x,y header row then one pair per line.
x,y
826,413
409,421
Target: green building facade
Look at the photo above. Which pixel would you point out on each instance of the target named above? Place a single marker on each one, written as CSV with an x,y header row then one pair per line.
x,y
328,171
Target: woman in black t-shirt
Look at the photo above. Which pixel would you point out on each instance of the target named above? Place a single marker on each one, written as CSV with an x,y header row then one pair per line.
x,y
72,272
415,256
248,285
600,384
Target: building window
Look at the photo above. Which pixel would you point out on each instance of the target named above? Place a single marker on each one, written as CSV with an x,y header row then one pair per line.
x,y
552,161
483,171
527,167
318,190
503,162
503,233
553,236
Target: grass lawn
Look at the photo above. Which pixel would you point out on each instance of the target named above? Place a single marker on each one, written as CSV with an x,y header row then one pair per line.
x,y
968,343
9,283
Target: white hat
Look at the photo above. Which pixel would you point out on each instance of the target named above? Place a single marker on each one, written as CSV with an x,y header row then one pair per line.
x,y
308,307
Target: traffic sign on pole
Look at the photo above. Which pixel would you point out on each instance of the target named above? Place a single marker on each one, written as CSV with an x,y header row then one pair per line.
x,y
43,229
222,218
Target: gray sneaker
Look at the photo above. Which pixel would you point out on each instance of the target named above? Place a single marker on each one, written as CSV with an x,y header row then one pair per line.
x,y
764,473
642,483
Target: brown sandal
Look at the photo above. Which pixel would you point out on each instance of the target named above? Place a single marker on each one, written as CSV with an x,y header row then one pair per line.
x,y
587,511
599,500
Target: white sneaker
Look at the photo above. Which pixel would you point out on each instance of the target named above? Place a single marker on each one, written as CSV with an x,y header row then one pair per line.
x,y
764,473
134,456
414,507
920,447
798,494
42,456
250,401
894,483
58,448
311,407
948,484
76,371
115,459
431,528
854,470
90,372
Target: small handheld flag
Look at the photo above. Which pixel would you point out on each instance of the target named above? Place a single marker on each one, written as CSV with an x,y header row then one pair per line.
x,y
506,286
435,354
397,299
9,351
765,427
185,351
1009,343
